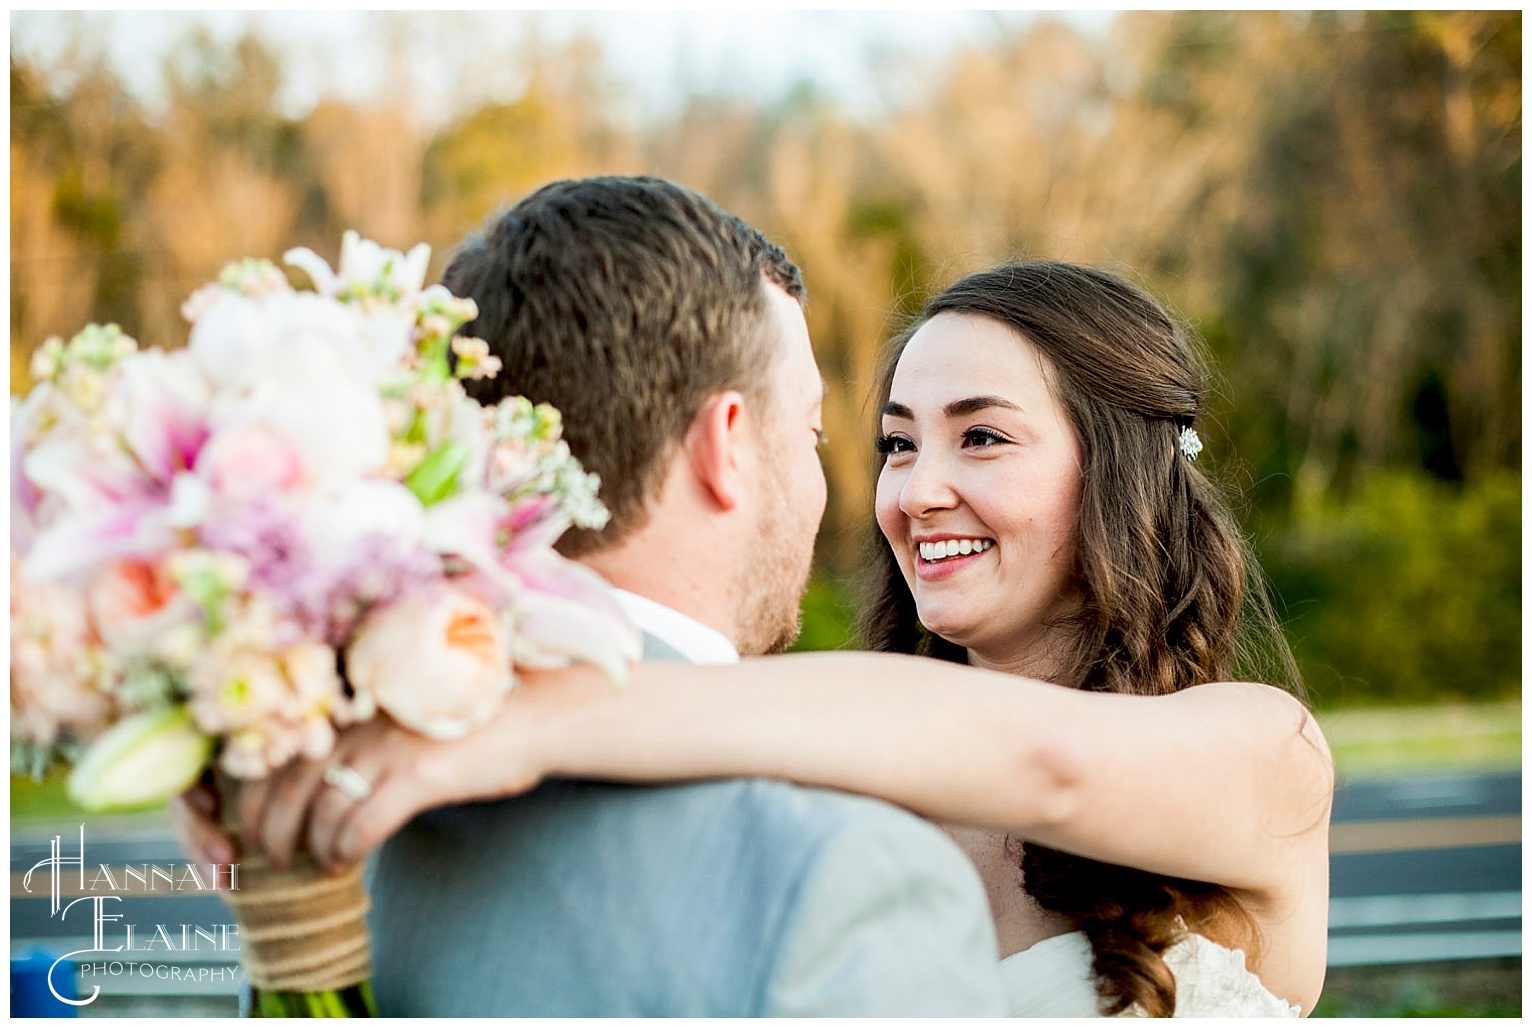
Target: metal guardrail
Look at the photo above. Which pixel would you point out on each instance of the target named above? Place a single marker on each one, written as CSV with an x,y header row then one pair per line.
x,y
1379,930
1364,931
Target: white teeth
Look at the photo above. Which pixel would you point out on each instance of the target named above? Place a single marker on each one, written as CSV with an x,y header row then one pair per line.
x,y
953,548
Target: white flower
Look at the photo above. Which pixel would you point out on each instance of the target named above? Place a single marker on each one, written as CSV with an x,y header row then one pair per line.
x,y
565,613
271,704
337,523
1189,442
464,526
474,359
249,459
99,505
311,671
240,341
231,339
213,522
336,425
235,687
160,407
366,269
143,759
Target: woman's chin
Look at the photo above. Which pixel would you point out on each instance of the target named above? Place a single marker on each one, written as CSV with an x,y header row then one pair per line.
x,y
957,631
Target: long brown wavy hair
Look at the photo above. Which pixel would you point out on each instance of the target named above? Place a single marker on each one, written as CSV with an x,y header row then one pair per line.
x,y
1172,596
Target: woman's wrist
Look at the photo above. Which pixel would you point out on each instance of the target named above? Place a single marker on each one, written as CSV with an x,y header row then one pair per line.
x,y
547,720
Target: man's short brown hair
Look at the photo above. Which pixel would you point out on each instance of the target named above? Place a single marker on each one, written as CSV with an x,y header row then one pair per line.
x,y
625,302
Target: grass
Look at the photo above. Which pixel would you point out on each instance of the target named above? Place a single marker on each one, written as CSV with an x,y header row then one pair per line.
x,y
1473,988
36,803
33,799
1448,737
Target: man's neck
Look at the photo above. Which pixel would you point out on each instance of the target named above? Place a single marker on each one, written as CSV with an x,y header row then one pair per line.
x,y
683,635
641,571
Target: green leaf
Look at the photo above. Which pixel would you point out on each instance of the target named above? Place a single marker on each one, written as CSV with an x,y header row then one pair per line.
x,y
436,477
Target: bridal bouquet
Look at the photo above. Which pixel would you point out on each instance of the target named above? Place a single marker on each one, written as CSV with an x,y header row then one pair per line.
x,y
224,553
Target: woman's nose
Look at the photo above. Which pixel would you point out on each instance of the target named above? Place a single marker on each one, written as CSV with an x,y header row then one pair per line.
x,y
927,488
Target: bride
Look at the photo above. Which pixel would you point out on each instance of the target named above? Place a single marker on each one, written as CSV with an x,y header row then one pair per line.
x,y
1154,836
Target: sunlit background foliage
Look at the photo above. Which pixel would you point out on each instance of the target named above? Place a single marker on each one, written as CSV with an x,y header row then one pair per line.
x,y
1333,200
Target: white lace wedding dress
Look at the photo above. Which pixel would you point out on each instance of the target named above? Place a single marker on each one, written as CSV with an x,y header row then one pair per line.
x,y
1053,979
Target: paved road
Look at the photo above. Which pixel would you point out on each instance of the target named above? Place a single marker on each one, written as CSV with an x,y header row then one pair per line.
x,y
1424,868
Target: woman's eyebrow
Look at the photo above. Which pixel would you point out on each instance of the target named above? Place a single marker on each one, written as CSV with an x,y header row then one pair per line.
x,y
955,409
974,404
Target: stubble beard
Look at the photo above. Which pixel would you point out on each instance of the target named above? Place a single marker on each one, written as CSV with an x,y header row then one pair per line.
x,y
775,577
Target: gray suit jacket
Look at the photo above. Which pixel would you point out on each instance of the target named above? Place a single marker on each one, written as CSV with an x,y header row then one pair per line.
x,y
723,899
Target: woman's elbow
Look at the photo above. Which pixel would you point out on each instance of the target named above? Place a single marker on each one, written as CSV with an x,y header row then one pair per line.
x,y
1311,764
1294,771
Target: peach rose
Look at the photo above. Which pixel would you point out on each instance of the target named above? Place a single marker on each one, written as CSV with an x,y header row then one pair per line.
x,y
436,661
133,602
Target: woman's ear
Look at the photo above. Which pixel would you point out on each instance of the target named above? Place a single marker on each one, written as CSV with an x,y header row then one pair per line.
x,y
713,448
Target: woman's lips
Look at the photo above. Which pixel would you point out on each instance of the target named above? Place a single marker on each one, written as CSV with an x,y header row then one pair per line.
x,y
946,567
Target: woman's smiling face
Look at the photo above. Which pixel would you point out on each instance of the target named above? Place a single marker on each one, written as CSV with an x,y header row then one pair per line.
x,y
980,488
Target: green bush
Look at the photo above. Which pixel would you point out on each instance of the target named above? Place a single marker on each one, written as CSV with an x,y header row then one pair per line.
x,y
829,615
1409,591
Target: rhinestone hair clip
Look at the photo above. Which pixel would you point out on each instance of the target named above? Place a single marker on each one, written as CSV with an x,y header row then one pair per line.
x,y
1189,442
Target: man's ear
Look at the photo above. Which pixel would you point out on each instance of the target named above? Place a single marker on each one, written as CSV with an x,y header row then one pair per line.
x,y
713,448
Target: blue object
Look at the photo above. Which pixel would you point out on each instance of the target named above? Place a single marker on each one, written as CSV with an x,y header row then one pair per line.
x,y
30,995
734,898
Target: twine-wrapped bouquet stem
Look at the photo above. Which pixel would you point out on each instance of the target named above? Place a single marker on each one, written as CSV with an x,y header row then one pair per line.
x,y
304,942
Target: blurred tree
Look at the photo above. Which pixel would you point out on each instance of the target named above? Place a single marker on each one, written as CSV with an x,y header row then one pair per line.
x,y
809,178
368,156
556,128
1410,591
814,173
998,161
53,277
1344,268
233,175
369,164
80,151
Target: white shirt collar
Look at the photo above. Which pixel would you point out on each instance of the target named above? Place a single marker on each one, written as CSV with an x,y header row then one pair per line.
x,y
687,636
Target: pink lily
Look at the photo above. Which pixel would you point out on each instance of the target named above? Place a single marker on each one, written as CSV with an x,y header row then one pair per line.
x,y
125,500
464,527
163,411
108,508
565,613
534,523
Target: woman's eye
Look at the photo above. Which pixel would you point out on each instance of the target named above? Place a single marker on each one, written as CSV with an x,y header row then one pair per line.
x,y
888,444
982,437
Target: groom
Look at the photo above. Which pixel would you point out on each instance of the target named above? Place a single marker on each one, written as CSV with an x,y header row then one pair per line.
x,y
671,337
